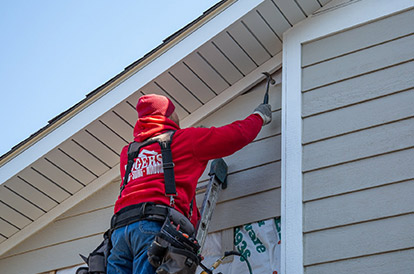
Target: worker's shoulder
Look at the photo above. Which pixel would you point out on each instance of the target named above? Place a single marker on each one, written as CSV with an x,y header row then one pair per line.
x,y
189,133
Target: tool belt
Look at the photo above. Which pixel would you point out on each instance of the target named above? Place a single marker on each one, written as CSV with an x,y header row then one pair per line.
x,y
144,211
174,250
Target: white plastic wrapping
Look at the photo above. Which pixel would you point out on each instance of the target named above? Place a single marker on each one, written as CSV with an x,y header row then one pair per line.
x,y
259,242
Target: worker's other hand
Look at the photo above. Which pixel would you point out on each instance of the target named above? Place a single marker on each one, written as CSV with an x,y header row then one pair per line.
x,y
265,111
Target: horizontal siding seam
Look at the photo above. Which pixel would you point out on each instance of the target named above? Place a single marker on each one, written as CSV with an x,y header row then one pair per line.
x,y
267,137
355,51
358,159
358,190
357,103
357,75
55,244
249,194
359,222
234,172
357,130
362,256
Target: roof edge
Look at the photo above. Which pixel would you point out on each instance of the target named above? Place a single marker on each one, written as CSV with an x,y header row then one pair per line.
x,y
93,96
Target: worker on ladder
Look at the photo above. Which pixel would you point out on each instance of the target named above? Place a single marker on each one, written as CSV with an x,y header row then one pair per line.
x,y
146,200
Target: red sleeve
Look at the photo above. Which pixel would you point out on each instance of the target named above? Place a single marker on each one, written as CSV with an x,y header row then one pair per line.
x,y
212,143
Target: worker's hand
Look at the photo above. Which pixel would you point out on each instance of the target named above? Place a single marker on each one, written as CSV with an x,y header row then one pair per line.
x,y
265,111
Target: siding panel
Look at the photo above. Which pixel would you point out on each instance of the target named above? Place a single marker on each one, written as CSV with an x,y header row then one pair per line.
x,y
254,154
244,210
237,199
366,143
350,65
366,173
52,257
381,202
248,182
395,262
358,148
88,218
361,88
368,35
257,153
376,112
359,240
252,181
68,229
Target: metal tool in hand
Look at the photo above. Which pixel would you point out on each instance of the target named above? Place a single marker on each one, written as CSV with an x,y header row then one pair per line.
x,y
218,179
271,81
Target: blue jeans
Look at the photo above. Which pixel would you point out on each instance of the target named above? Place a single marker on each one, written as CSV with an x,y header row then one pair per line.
x,y
130,244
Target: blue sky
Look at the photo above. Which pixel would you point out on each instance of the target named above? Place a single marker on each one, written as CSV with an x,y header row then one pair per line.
x,y
53,53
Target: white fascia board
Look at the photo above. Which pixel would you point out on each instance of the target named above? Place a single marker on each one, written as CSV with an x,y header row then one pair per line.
x,y
128,86
344,16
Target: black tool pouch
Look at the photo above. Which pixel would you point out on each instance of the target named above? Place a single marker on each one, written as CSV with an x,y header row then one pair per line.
x,y
98,258
178,261
174,250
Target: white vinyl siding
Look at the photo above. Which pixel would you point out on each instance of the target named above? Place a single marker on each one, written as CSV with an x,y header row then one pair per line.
x,y
358,148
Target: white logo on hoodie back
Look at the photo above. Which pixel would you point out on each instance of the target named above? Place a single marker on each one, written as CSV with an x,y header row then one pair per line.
x,y
147,163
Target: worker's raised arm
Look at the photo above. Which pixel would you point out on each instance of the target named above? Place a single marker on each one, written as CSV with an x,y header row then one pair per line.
x,y
217,142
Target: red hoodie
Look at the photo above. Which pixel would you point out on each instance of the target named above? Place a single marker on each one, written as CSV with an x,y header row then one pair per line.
x,y
191,148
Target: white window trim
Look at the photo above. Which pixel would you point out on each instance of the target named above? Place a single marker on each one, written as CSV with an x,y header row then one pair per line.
x,y
348,14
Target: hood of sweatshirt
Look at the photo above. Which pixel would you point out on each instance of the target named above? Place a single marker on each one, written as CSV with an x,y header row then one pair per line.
x,y
149,126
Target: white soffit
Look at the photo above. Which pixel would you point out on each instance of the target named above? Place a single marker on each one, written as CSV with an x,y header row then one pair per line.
x,y
220,58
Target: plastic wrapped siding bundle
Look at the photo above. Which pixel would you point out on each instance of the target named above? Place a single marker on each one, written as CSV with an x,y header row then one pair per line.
x,y
259,242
